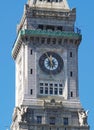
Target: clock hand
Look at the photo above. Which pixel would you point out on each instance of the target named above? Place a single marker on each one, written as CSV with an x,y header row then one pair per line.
x,y
47,55
50,59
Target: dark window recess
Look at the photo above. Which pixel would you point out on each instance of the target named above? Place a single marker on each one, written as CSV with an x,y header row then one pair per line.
x,y
39,119
51,84
41,84
31,71
51,90
46,90
43,40
60,41
66,40
41,90
54,41
48,0
31,52
70,54
46,84
48,41
48,27
71,94
65,121
56,85
26,38
60,91
55,91
40,26
59,27
71,74
60,85
52,120
31,91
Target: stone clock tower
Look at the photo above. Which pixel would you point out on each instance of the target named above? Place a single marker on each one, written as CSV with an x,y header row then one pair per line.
x,y
46,60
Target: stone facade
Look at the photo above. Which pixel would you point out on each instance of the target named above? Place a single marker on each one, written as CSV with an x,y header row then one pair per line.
x,y
47,101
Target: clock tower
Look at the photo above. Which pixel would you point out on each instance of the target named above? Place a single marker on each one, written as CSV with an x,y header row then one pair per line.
x,y
46,61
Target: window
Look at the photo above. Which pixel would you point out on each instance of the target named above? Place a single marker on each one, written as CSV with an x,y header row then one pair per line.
x,y
70,54
31,71
46,84
43,40
60,85
60,91
46,90
39,119
60,41
59,27
52,120
51,84
56,91
54,41
71,94
65,121
56,85
31,91
51,90
31,52
41,90
41,84
40,26
48,41
71,74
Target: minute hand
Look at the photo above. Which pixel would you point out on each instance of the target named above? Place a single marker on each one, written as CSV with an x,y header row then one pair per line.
x,y
50,59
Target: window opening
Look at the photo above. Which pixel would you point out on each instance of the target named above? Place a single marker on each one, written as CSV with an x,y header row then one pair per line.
x,y
41,84
51,90
31,71
52,120
31,91
71,74
46,90
65,121
70,54
60,91
41,90
71,94
56,91
39,119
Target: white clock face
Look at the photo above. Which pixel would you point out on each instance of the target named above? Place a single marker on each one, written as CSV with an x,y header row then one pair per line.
x,y
51,64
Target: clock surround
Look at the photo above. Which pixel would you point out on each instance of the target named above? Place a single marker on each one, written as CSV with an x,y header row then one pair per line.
x,y
51,63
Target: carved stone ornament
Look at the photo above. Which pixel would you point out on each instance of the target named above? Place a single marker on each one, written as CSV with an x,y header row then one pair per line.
x,y
52,102
22,112
83,117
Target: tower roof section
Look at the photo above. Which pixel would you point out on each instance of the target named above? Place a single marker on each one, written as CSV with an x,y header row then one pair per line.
x,y
57,4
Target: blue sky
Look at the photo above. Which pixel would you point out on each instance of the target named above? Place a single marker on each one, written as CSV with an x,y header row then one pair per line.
x,y
10,14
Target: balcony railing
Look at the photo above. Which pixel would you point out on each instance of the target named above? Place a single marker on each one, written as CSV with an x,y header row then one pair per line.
x,y
38,32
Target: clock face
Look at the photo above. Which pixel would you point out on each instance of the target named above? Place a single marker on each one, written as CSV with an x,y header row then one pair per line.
x,y
51,63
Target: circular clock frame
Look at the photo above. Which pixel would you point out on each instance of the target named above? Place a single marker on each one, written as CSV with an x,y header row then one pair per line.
x,y
51,63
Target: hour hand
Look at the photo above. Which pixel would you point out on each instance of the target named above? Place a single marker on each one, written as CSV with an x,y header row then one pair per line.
x,y
47,55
